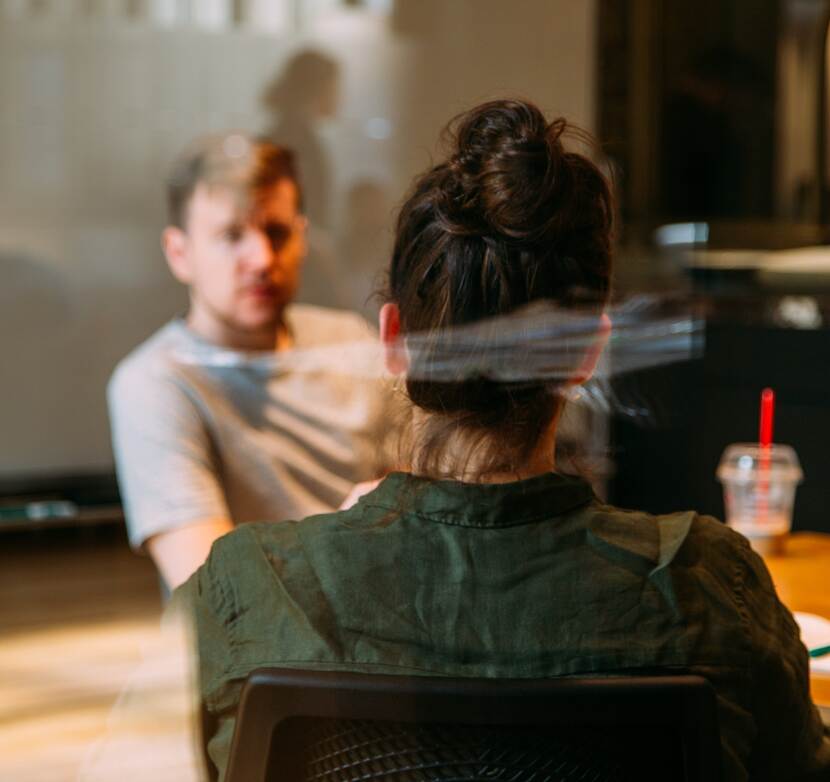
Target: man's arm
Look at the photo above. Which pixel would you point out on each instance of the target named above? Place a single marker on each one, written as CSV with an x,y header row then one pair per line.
x,y
178,553
168,470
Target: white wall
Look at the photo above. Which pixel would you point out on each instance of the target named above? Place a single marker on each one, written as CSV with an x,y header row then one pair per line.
x,y
95,105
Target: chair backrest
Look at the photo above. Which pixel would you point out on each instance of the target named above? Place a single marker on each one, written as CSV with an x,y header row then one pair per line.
x,y
294,726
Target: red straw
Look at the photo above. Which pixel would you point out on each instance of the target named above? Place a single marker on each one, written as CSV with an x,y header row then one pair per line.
x,y
767,412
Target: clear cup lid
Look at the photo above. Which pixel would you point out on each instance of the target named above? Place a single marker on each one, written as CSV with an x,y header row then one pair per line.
x,y
743,462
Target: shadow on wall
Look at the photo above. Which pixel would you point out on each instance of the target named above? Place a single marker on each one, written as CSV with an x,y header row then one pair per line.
x,y
303,94
342,266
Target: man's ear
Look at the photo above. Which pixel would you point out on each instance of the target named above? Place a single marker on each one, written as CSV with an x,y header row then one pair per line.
x,y
591,359
394,351
174,244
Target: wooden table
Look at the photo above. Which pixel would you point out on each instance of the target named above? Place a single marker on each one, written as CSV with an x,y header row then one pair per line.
x,y
802,578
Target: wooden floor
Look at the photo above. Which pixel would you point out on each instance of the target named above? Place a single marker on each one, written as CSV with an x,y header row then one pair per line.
x,y
79,617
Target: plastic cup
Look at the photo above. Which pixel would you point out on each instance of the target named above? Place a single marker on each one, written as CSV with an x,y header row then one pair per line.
x,y
759,485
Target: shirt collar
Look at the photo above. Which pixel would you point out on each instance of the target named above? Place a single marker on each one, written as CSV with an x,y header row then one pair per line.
x,y
485,505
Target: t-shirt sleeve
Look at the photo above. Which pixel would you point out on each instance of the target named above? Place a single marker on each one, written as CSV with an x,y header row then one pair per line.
x,y
167,467
791,742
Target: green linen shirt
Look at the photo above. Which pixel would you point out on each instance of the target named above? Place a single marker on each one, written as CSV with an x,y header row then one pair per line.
x,y
535,578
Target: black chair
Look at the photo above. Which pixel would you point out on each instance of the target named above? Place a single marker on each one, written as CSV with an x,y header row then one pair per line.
x,y
337,726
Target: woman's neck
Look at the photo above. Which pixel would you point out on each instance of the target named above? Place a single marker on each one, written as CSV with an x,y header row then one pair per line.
x,y
463,459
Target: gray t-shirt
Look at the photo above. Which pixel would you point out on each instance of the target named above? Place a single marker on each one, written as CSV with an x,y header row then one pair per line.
x,y
203,432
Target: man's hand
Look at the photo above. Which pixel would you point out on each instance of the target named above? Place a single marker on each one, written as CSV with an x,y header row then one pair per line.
x,y
180,552
357,492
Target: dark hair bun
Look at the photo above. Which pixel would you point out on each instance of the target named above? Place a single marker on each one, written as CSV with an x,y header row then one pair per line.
x,y
511,218
509,170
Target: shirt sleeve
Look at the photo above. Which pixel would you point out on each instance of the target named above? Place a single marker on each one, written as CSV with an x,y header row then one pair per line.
x,y
168,469
791,742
